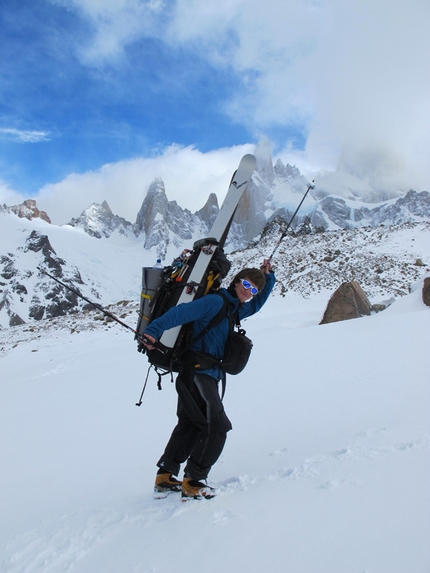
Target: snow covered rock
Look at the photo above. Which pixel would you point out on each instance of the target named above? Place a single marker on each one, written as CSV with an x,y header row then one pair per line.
x,y
162,222
38,243
99,221
28,210
26,293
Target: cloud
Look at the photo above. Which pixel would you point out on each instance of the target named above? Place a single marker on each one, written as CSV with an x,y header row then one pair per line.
x,y
336,85
23,135
351,77
189,176
355,75
115,24
9,196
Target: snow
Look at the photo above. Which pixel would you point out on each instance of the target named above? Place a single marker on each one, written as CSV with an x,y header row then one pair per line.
x,y
326,469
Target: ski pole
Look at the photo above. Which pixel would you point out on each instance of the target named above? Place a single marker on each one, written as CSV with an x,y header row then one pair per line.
x,y
97,306
310,186
139,402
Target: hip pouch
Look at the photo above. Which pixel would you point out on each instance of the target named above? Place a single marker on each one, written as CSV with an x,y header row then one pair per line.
x,y
237,352
236,355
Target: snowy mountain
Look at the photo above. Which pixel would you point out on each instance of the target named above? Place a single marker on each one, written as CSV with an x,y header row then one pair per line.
x,y
28,210
99,221
93,268
162,222
159,222
275,191
385,261
361,241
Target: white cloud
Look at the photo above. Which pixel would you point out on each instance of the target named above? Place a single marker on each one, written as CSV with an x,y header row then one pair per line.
x,y
189,176
115,23
354,75
9,196
24,135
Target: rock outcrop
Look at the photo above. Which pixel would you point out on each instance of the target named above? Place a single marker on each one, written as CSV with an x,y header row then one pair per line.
x,y
99,221
28,210
426,291
348,301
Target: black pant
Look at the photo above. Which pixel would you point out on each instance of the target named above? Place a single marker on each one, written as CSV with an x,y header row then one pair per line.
x,y
202,427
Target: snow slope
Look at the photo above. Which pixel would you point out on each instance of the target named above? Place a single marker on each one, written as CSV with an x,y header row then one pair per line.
x,y
382,259
326,469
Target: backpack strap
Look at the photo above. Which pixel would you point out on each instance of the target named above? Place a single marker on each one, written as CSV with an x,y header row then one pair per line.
x,y
217,319
221,314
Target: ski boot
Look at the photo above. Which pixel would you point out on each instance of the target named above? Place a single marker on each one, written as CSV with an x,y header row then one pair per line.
x,y
166,484
193,489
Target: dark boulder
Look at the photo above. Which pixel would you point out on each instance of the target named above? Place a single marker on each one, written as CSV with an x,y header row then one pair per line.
x,y
348,301
426,291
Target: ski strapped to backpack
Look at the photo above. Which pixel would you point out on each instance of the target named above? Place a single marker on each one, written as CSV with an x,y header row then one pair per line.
x,y
193,274
236,355
152,306
161,289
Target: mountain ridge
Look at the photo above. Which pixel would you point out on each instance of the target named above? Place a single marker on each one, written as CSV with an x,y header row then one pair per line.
x,y
332,239
274,191
385,260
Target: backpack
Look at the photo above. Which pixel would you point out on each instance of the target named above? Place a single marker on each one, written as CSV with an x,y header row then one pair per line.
x,y
161,290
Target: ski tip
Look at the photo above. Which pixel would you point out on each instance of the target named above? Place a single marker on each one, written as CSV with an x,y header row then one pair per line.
x,y
249,158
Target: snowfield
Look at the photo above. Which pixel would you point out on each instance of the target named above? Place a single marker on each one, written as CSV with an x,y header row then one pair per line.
x,y
326,469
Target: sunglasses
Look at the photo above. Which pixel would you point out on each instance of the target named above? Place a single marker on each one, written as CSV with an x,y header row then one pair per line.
x,y
246,284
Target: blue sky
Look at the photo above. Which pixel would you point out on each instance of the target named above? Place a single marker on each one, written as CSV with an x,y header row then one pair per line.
x,y
83,116
91,86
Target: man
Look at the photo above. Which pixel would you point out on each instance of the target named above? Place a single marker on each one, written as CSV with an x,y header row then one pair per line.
x,y
200,434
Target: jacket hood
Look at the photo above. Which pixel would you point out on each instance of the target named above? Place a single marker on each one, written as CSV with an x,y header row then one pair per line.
x,y
231,296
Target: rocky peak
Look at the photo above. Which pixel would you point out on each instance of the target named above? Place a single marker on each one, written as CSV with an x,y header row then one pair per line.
x,y
99,221
286,171
209,211
155,204
105,207
162,221
37,242
28,210
279,168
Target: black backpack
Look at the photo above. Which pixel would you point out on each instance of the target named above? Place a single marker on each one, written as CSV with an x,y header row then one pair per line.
x,y
161,290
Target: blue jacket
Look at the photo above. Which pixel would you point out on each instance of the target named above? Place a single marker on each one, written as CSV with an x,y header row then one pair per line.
x,y
201,311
